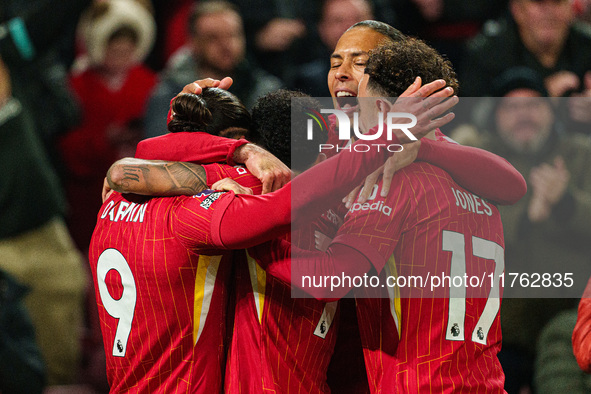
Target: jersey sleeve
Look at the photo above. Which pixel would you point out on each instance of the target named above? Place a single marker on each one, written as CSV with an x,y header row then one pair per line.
x,y
196,220
482,172
582,332
214,220
300,201
294,266
197,147
324,185
216,172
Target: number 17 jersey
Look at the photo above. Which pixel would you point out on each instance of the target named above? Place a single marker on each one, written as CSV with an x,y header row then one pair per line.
x,y
427,230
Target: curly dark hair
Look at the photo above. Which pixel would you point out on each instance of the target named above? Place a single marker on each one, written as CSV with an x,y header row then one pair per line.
x,y
393,67
272,118
214,111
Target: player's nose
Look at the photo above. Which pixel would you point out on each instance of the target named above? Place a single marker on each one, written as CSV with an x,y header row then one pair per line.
x,y
343,72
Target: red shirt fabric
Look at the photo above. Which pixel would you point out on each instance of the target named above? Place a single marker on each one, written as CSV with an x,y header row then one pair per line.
x,y
582,332
417,341
198,147
280,343
87,150
161,288
423,206
439,346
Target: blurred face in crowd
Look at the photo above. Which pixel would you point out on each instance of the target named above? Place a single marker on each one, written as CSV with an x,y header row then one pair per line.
x,y
542,23
120,55
338,16
524,119
218,41
347,64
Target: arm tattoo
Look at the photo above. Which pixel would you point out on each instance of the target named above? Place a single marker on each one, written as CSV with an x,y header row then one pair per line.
x,y
187,178
162,179
132,173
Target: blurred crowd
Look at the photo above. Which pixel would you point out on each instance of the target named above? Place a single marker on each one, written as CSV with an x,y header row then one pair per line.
x,y
79,89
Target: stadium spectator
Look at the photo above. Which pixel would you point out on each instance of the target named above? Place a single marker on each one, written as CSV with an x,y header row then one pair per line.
x,y
282,34
35,246
336,17
43,63
172,20
577,108
217,49
275,32
22,368
556,368
546,229
541,35
112,86
446,24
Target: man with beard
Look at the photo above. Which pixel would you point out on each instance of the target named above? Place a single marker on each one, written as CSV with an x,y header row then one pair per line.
x,y
217,49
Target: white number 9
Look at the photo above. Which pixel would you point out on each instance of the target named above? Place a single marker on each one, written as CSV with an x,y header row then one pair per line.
x,y
123,308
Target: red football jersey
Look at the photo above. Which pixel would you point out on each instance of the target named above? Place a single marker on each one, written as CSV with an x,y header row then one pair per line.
x,y
161,299
394,311
416,341
215,172
280,344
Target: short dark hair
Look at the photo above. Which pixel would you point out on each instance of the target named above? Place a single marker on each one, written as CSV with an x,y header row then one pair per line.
x,y
271,116
393,34
213,111
393,67
518,78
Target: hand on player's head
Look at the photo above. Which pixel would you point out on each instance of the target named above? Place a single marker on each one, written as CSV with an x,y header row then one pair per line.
x,y
272,173
427,103
198,86
433,89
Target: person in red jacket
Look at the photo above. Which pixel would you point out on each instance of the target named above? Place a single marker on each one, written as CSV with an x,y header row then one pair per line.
x,y
112,85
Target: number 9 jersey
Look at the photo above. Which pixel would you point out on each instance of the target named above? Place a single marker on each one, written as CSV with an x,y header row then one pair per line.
x,y
161,301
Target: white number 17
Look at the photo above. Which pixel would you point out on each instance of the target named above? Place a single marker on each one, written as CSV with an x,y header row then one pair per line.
x,y
454,242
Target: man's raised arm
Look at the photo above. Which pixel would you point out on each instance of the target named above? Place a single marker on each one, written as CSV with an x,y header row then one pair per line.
x,y
203,148
155,178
